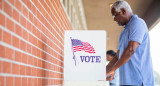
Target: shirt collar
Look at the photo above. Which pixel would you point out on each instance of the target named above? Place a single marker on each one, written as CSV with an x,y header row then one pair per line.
x,y
130,21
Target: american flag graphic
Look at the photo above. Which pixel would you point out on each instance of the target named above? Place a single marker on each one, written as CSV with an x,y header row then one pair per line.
x,y
78,45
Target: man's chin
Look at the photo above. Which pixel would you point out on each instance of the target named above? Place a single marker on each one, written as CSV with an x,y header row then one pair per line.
x,y
120,24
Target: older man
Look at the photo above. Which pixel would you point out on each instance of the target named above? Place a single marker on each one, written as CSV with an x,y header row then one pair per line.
x,y
133,56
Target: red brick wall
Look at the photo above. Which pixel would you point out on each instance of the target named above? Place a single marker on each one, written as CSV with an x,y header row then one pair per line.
x,y
31,42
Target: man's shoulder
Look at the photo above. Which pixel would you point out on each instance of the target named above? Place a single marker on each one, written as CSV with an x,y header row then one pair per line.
x,y
138,22
137,19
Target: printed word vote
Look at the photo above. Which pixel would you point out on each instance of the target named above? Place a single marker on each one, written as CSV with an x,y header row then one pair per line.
x,y
93,59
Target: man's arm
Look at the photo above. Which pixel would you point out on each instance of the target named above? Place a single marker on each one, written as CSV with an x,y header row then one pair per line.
x,y
126,56
112,62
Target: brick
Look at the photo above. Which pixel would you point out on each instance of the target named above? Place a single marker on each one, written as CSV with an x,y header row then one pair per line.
x,y
2,49
18,56
0,67
18,30
29,81
22,45
15,15
31,38
1,1
47,65
34,31
2,81
7,9
12,2
9,53
46,73
25,11
28,48
42,55
35,62
40,82
15,42
0,34
43,64
10,25
25,35
36,22
46,82
35,2
34,52
24,58
9,81
38,53
28,3
28,71
2,20
23,21
39,72
24,1
24,82
40,44
39,63
18,5
30,60
38,33
6,67
34,72
33,9
6,37
34,81
22,70
15,69
30,17
18,81
34,41
39,16
29,26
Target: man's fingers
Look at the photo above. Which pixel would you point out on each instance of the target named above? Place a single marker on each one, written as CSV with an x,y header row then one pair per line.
x,y
109,73
111,77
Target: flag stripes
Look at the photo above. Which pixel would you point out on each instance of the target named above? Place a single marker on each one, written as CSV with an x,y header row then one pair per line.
x,y
78,45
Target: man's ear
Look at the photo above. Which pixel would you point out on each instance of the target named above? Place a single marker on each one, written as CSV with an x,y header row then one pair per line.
x,y
123,11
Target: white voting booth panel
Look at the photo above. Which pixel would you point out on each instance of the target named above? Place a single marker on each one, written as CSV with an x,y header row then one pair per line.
x,y
85,58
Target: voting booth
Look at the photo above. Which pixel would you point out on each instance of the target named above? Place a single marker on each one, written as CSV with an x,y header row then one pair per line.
x,y
85,58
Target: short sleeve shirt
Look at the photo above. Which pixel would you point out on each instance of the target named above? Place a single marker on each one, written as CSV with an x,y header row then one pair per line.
x,y
138,69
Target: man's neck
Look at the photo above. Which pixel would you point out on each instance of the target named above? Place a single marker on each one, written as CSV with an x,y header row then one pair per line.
x,y
129,17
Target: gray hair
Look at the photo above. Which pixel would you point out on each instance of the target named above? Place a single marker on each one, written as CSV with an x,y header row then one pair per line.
x,y
121,4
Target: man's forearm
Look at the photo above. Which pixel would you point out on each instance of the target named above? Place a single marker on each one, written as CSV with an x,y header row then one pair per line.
x,y
112,62
127,54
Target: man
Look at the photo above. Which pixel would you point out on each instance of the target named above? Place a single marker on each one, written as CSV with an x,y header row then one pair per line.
x,y
134,63
110,54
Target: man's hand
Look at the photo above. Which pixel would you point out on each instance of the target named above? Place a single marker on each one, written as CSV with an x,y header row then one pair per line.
x,y
111,73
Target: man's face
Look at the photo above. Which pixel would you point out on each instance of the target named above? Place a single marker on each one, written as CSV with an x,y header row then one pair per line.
x,y
118,17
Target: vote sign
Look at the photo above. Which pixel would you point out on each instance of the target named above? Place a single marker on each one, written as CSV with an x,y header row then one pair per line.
x,y
85,55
